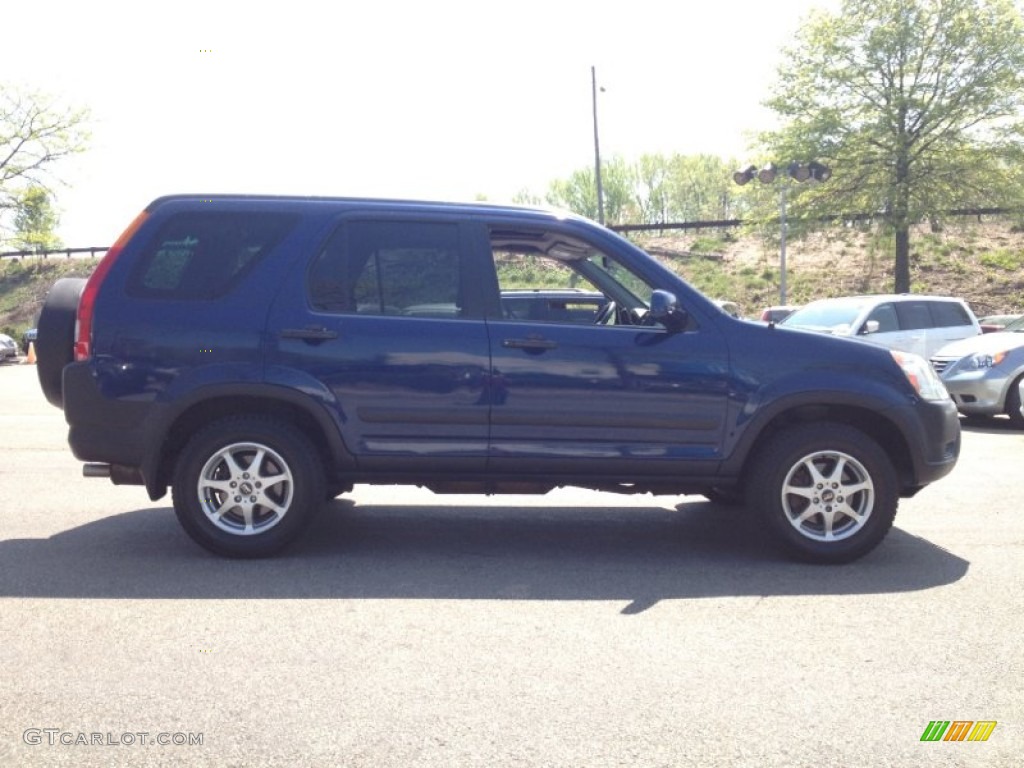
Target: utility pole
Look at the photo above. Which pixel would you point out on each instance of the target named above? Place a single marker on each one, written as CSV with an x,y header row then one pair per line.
x,y
597,149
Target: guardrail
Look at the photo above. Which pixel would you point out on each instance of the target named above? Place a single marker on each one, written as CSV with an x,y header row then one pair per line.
x,y
67,252
844,217
711,224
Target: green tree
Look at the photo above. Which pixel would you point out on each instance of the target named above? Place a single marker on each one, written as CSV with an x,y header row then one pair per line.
x,y
655,189
35,221
35,133
651,189
699,188
915,104
578,193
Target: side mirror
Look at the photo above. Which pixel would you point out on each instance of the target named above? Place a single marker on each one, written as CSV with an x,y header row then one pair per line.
x,y
870,326
666,310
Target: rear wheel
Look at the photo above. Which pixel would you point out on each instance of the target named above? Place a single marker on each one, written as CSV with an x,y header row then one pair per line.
x,y
247,486
827,491
55,336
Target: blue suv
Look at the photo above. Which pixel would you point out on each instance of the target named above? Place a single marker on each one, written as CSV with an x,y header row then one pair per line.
x,y
260,355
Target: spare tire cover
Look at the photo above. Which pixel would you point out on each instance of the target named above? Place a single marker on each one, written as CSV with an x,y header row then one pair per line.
x,y
55,338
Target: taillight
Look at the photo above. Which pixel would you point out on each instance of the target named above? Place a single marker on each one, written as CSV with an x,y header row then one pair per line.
x,y
83,325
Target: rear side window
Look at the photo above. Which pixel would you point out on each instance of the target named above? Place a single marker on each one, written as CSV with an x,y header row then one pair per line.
x,y
914,315
407,268
202,255
949,313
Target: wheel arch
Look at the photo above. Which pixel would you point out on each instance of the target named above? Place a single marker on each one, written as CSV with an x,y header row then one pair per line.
x,y
871,421
299,410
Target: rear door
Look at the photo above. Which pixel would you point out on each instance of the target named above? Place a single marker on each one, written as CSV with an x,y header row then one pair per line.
x,y
388,327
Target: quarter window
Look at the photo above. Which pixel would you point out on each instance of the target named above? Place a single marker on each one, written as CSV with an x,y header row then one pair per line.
x,y
203,255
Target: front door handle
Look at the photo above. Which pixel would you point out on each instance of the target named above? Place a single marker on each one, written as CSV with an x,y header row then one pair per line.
x,y
310,333
532,342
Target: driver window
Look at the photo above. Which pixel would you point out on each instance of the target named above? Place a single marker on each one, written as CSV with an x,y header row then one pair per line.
x,y
885,314
550,277
540,289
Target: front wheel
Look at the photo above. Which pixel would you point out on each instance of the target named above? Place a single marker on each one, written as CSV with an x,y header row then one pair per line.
x,y
247,486
1013,404
827,491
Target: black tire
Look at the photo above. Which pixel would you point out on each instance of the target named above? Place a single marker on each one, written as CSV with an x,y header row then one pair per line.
x,y
1013,404
849,504
55,336
251,518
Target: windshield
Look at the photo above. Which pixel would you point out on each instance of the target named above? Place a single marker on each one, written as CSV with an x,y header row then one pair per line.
x,y
614,279
826,314
1017,326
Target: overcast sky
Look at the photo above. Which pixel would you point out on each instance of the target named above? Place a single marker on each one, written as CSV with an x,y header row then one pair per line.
x,y
438,99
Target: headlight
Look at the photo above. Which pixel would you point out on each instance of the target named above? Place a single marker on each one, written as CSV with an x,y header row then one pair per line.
x,y
922,378
983,360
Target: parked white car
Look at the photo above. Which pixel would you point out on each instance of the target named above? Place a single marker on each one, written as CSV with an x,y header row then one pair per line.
x,y
906,322
985,374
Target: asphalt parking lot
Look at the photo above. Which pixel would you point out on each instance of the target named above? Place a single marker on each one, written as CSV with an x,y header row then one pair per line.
x,y
574,629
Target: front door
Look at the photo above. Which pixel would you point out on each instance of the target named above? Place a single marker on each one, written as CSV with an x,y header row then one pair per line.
x,y
596,392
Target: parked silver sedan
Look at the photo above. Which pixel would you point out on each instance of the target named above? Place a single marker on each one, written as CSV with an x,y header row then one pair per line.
x,y
8,348
985,374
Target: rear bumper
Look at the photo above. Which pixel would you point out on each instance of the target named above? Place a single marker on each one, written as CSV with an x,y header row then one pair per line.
x,y
102,429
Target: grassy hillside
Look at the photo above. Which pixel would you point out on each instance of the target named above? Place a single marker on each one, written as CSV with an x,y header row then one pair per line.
x,y
982,261
23,287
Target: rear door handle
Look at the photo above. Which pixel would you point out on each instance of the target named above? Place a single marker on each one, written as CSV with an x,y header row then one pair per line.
x,y
311,333
529,343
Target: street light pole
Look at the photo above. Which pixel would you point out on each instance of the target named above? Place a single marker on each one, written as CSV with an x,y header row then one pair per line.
x,y
767,175
782,242
597,148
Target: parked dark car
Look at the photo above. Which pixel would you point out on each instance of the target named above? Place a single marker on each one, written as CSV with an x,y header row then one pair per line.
x,y
258,355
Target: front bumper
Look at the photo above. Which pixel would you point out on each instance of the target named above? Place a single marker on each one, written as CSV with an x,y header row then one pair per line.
x,y
979,393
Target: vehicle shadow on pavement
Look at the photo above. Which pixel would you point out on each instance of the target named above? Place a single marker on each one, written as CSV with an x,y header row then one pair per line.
x,y
640,555
993,426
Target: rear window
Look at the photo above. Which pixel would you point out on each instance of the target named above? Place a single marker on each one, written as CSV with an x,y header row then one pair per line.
x,y
202,255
